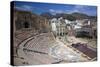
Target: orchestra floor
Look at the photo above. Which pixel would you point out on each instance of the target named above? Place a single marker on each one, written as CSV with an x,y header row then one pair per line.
x,y
44,48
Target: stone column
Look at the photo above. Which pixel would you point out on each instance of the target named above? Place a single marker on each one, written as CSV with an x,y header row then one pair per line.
x,y
62,30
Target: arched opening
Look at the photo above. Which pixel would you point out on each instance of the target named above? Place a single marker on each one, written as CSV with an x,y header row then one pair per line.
x,y
26,25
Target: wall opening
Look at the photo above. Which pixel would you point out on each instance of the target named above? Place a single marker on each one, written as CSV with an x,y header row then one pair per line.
x,y
26,25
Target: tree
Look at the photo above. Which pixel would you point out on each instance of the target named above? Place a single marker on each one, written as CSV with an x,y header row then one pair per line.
x,y
71,18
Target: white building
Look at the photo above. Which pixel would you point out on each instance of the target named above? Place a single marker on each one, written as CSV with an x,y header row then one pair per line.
x,y
53,24
58,26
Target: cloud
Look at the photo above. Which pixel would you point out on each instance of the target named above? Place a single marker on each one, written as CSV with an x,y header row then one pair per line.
x,y
51,10
25,7
55,11
82,9
78,8
89,10
72,11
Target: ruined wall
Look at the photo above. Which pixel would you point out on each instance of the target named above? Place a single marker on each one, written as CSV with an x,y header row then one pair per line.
x,y
27,21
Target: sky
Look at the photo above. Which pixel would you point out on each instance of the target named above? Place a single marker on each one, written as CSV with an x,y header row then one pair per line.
x,y
39,8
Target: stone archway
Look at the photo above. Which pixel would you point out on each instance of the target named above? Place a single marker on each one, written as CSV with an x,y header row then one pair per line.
x,y
26,24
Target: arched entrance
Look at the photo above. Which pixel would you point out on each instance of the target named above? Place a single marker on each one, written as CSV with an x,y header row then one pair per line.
x,y
26,24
